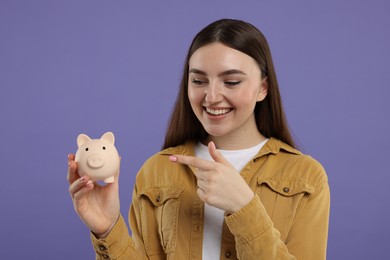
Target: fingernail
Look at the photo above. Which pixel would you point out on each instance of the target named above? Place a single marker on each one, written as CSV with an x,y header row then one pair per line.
x,y
82,178
172,158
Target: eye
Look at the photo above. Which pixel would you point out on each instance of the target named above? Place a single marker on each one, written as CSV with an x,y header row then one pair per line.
x,y
198,82
104,148
86,149
232,83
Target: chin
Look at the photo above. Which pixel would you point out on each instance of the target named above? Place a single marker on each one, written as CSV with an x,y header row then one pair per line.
x,y
216,132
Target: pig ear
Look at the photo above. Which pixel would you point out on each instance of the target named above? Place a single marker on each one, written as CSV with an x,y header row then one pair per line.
x,y
82,139
108,137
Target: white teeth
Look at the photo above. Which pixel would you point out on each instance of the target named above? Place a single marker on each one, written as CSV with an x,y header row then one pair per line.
x,y
217,112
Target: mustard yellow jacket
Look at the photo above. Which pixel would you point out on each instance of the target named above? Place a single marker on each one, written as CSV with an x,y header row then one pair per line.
x,y
287,218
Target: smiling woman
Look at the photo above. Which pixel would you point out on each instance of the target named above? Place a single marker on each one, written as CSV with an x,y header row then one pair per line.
x,y
228,182
245,41
223,89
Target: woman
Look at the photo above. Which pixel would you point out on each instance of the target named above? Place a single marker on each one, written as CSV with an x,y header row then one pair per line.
x,y
229,183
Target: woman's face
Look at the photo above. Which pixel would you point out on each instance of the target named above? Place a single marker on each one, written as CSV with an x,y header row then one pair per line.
x,y
223,87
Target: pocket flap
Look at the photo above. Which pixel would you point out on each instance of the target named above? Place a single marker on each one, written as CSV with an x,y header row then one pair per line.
x,y
286,188
159,195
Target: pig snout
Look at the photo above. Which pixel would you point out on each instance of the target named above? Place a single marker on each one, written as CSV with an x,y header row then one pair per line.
x,y
95,161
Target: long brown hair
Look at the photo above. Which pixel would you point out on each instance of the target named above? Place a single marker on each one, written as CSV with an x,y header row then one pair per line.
x,y
242,36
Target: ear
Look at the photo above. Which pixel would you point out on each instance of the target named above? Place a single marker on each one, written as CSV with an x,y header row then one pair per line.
x,y
263,89
109,136
82,139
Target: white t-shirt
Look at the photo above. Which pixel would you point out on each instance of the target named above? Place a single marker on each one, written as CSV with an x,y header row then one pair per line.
x,y
213,217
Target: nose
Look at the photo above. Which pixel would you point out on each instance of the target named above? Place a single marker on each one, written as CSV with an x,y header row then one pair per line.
x,y
95,161
213,93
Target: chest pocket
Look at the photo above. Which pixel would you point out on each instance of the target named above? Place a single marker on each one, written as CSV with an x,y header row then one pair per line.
x,y
159,208
283,200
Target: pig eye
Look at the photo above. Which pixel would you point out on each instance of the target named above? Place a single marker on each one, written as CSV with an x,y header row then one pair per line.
x,y
104,148
86,149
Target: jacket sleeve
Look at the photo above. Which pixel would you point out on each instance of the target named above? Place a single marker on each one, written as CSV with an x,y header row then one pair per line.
x,y
119,244
307,238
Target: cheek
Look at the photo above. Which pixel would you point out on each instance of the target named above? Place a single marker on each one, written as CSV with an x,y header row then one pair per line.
x,y
195,96
243,99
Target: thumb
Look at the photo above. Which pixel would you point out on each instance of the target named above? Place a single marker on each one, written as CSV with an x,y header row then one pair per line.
x,y
216,155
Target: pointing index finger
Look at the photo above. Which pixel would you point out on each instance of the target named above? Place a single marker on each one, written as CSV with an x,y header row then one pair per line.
x,y
192,162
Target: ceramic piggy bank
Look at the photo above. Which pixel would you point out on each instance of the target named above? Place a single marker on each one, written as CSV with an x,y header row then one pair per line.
x,y
97,158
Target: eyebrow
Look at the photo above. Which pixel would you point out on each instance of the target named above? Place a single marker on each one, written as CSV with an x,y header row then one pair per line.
x,y
224,73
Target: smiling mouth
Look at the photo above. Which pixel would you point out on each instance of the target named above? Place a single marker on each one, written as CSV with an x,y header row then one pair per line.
x,y
218,112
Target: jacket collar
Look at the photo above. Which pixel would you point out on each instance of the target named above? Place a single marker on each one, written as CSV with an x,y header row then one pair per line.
x,y
187,148
273,146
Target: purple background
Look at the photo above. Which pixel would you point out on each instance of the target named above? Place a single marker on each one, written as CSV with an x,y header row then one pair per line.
x,y
68,67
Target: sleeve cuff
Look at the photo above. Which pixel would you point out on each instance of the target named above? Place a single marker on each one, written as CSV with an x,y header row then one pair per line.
x,y
249,222
115,243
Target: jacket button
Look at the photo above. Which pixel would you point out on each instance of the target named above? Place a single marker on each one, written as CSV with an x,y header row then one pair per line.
x,y
102,248
286,190
106,257
228,254
158,198
196,227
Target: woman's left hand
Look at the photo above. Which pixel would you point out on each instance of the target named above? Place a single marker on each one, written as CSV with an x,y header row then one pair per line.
x,y
219,184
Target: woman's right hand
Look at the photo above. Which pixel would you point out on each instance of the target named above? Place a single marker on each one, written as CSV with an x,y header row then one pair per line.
x,y
97,206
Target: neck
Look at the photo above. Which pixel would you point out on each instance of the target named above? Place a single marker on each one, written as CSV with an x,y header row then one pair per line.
x,y
238,143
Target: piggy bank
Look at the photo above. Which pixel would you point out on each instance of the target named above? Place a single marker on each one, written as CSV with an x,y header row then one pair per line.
x,y
97,158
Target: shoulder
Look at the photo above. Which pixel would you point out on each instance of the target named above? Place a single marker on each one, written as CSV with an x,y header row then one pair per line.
x,y
161,157
158,170
289,164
